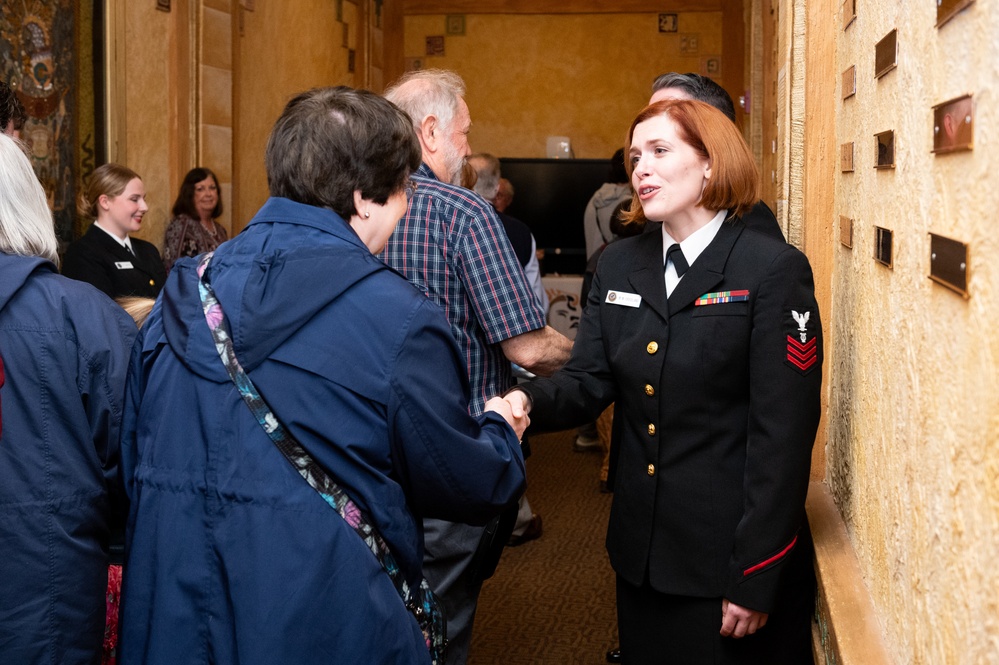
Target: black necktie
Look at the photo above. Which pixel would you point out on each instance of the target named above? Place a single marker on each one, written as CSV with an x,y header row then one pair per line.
x,y
128,248
675,254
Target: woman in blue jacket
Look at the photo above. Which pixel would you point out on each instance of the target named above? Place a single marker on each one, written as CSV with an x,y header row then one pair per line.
x,y
230,555
64,349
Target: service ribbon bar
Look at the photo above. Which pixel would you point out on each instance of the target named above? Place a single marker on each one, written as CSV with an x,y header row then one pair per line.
x,y
722,296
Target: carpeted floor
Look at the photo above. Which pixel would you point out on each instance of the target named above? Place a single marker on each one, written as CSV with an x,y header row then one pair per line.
x,y
552,599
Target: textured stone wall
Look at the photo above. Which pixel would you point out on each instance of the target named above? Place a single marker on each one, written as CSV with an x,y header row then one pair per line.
x,y
913,456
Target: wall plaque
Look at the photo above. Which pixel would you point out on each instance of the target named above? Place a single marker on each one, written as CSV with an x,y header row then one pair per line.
x,y
846,157
846,231
849,12
850,82
667,23
689,42
954,125
949,263
435,45
883,246
886,54
948,9
885,142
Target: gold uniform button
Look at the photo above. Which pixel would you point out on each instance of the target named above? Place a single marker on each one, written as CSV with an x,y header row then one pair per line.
x,y
652,469
152,283
652,348
652,429
649,390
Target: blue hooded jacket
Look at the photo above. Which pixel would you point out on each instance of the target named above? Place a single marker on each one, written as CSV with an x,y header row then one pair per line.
x,y
65,349
231,557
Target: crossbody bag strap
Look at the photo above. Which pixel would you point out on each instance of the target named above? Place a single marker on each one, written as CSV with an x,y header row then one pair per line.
x,y
307,467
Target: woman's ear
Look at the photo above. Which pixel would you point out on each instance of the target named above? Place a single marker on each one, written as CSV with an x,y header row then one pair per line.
x,y
104,202
361,205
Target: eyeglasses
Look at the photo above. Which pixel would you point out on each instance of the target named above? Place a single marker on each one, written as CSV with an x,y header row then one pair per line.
x,y
410,189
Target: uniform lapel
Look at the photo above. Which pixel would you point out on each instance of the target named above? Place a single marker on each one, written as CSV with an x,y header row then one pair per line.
x,y
110,245
707,271
647,277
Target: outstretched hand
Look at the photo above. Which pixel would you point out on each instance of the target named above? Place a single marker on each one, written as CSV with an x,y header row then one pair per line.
x,y
513,410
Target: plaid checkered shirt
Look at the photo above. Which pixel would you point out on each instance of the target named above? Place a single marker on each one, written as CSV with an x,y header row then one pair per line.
x,y
451,246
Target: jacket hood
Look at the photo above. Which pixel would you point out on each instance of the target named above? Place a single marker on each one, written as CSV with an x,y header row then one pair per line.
x,y
269,283
610,194
15,271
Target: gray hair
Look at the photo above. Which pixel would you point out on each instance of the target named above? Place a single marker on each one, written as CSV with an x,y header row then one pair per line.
x,y
26,227
427,92
487,167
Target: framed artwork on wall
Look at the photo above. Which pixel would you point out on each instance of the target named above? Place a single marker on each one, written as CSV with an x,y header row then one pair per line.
x,y
954,125
667,23
455,24
849,12
949,263
435,45
948,9
850,82
883,246
886,54
846,231
885,146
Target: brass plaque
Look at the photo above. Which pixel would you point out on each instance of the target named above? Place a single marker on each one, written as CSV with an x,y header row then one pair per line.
x,y
846,157
948,9
885,142
949,263
883,246
850,82
849,12
954,125
886,54
846,231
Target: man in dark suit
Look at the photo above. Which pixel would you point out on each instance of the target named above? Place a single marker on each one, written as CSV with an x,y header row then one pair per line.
x,y
129,267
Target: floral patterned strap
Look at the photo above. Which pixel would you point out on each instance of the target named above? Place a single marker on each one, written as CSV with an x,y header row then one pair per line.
x,y
423,604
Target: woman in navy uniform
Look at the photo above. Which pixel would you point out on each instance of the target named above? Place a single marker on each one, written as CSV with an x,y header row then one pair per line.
x,y
106,256
707,336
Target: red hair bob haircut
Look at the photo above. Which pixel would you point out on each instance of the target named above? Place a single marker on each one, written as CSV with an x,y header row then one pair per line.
x,y
735,179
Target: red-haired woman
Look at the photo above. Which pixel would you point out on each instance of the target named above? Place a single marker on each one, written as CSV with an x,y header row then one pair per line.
x,y
706,335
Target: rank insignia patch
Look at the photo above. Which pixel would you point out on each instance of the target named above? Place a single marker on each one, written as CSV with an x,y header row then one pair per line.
x,y
802,344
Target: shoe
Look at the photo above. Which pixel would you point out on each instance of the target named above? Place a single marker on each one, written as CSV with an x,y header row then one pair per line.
x,y
532,532
585,444
614,655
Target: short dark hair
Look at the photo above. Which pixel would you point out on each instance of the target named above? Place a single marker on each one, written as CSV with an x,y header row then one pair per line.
x,y
701,88
330,142
10,108
184,205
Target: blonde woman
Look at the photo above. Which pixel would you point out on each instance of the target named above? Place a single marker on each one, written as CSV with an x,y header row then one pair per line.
x,y
107,256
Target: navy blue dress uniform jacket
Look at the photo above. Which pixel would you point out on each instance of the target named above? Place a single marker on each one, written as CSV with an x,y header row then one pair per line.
x,y
230,556
65,349
717,405
98,259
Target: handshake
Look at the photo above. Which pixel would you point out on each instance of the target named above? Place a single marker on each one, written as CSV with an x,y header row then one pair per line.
x,y
514,407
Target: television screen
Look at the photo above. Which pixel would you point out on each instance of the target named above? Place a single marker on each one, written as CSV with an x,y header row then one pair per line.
x,y
550,196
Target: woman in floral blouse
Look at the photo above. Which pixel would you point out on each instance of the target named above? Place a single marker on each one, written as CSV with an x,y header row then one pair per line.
x,y
193,229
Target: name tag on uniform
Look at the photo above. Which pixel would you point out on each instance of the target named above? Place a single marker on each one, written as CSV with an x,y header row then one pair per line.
x,y
623,298
123,265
